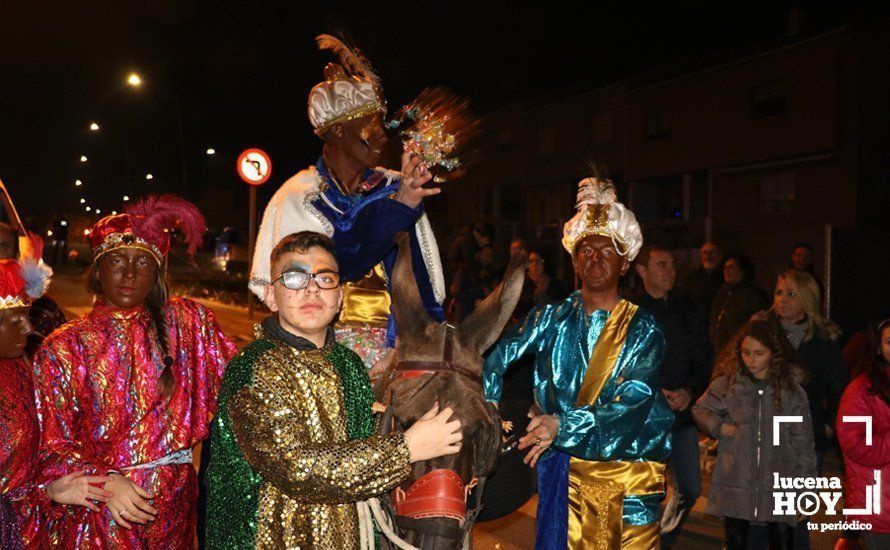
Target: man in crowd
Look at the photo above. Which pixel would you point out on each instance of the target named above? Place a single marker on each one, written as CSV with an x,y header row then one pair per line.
x,y
359,206
703,284
802,256
684,377
603,435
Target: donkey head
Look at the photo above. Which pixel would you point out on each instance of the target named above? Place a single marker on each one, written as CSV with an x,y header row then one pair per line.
x,y
422,339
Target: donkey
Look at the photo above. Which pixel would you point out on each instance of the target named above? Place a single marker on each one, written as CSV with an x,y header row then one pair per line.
x,y
436,362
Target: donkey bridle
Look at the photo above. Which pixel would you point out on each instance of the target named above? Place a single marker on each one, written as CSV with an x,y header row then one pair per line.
x,y
411,369
439,493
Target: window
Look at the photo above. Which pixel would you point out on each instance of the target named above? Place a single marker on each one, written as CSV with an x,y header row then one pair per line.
x,y
658,124
545,142
768,99
602,128
777,193
505,141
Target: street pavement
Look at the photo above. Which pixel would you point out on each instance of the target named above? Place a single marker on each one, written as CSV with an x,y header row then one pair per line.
x,y
513,532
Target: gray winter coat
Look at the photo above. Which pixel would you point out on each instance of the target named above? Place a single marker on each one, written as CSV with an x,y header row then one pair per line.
x,y
742,482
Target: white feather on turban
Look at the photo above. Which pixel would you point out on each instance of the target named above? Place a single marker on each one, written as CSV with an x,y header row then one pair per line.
x,y
600,213
343,97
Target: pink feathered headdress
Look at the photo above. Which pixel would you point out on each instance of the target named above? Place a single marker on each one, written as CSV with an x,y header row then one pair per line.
x,y
147,225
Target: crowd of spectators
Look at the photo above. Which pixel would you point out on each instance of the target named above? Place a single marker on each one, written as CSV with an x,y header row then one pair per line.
x,y
719,326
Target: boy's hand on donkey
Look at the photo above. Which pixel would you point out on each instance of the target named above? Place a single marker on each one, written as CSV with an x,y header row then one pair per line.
x,y
434,435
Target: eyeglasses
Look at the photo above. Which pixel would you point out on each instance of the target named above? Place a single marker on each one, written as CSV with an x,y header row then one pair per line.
x,y
298,280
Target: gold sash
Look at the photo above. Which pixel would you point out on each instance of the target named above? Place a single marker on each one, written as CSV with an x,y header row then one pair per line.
x,y
366,302
597,488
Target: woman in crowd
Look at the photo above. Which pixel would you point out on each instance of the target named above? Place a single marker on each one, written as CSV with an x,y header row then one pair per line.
x,y
797,310
868,395
737,300
539,288
128,390
754,383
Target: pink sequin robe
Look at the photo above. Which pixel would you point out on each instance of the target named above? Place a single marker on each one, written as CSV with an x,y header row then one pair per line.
x,y
19,440
96,380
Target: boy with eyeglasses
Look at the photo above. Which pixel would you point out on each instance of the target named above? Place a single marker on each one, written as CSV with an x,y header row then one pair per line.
x,y
292,449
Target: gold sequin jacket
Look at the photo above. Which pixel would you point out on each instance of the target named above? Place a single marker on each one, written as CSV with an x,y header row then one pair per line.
x,y
283,471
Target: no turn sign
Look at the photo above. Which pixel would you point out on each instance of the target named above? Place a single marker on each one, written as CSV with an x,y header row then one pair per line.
x,y
254,166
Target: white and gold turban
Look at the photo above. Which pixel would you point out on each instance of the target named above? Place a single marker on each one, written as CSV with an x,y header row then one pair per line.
x,y
600,213
343,97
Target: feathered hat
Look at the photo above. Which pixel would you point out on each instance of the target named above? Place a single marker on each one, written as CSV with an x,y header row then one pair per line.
x,y
147,225
25,279
600,213
351,88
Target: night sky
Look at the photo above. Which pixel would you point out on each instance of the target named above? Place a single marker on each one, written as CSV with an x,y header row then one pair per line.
x,y
239,74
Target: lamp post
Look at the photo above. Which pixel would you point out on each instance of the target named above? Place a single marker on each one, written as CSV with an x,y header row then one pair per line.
x,y
134,80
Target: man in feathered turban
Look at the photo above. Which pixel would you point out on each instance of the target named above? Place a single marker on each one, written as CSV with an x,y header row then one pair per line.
x,y
600,439
359,206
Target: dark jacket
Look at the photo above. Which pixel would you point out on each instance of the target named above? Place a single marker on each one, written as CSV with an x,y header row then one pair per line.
x,y
827,373
689,356
702,286
828,378
742,482
732,308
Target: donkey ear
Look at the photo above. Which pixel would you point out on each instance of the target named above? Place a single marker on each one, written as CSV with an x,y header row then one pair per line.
x,y
484,325
411,316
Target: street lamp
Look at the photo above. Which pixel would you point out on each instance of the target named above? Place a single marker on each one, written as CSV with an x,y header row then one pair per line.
x,y
211,151
83,158
88,208
149,177
98,211
94,127
126,198
82,201
114,212
135,81
78,183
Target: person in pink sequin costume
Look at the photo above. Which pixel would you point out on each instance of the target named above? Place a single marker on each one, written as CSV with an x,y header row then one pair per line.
x,y
22,501
128,390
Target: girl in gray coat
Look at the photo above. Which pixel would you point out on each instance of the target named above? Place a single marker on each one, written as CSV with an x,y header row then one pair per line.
x,y
753,383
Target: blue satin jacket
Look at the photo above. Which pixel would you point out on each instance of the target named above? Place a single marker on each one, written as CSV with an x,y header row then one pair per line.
x,y
364,235
630,420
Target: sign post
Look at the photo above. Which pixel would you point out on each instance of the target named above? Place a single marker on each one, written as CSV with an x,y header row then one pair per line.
x,y
254,167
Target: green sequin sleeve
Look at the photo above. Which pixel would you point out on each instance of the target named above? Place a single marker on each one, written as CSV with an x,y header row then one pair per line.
x,y
232,485
276,433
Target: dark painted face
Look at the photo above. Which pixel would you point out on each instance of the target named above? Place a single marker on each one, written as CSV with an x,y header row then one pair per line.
x,y
126,276
14,330
8,243
364,139
598,263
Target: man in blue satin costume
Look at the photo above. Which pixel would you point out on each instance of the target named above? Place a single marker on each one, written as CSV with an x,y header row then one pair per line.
x,y
601,437
359,206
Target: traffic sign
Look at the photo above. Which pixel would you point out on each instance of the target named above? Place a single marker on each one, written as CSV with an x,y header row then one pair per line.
x,y
254,166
